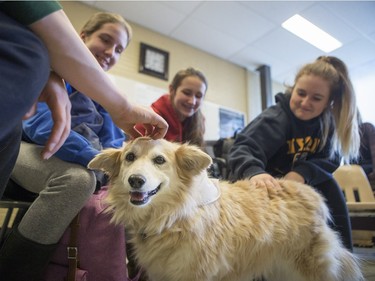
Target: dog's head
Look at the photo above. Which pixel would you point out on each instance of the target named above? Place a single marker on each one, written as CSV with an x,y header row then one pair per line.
x,y
144,168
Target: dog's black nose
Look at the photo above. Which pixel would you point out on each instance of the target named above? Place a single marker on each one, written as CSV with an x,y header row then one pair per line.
x,y
136,181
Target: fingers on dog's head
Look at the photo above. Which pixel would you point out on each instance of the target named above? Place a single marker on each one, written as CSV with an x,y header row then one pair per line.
x,y
109,161
191,159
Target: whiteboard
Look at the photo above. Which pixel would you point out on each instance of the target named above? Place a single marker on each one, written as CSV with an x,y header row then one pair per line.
x,y
138,92
146,94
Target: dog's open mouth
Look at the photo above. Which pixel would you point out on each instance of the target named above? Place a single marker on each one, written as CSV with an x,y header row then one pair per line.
x,y
141,198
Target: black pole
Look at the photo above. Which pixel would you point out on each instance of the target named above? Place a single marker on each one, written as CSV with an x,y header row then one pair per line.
x,y
265,85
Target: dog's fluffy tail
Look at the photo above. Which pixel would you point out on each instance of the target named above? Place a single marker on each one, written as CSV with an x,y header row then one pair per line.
x,y
350,267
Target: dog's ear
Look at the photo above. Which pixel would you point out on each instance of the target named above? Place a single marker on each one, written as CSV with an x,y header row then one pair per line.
x,y
109,161
192,159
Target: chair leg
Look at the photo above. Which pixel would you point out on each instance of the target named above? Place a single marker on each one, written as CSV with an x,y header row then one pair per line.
x,y
4,227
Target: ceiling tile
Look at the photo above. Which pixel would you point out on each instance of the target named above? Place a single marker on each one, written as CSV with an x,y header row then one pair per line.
x,y
277,11
184,7
286,46
201,36
359,14
136,11
234,19
372,37
356,53
330,23
363,70
251,58
248,33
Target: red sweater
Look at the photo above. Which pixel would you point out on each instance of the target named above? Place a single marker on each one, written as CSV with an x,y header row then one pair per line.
x,y
163,107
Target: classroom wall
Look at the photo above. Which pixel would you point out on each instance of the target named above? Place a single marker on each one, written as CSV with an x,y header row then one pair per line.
x,y
227,82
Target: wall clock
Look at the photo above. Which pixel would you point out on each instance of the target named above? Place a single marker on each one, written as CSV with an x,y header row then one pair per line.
x,y
154,61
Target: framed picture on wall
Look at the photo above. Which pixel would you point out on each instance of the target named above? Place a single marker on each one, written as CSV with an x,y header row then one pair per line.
x,y
231,122
154,61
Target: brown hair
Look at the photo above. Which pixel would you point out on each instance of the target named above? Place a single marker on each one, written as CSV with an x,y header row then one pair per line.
x,y
342,111
99,19
194,125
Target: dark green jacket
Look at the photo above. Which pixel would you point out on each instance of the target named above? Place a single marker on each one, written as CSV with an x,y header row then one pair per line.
x,y
28,12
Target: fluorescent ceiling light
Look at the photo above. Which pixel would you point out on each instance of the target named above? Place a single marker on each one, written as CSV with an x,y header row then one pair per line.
x,y
311,33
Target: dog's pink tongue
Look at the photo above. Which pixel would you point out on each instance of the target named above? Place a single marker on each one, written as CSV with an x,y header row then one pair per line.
x,y
138,196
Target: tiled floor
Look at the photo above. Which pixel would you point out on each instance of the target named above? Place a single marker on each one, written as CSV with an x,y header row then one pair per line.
x,y
368,259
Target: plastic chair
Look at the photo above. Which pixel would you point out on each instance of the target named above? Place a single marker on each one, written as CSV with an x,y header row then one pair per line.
x,y
15,210
353,180
360,201
16,201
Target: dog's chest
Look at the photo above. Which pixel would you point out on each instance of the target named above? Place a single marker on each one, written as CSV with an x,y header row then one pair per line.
x,y
168,246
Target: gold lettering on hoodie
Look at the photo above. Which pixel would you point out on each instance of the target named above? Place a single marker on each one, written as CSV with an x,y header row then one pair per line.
x,y
307,144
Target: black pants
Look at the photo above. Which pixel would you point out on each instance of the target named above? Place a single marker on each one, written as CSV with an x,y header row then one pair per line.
x,y
24,70
336,202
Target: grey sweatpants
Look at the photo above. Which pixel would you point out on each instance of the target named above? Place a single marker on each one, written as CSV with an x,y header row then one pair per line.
x,y
63,189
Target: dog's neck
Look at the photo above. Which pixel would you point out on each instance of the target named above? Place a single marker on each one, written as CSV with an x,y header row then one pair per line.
x,y
209,191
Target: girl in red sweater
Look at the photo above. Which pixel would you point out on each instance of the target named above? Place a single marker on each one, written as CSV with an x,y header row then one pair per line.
x,y
181,107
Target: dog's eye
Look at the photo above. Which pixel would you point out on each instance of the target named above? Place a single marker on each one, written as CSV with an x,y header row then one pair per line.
x,y
130,157
159,160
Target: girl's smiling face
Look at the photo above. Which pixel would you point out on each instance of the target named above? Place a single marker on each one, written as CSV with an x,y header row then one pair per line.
x,y
310,97
107,44
188,96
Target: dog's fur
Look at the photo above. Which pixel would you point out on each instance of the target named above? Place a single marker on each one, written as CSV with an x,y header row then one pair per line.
x,y
248,232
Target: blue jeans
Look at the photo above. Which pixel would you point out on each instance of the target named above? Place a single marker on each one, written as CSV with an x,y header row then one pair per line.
x,y
24,68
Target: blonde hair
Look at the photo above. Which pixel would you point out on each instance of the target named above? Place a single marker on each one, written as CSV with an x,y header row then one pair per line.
x,y
194,125
97,20
341,114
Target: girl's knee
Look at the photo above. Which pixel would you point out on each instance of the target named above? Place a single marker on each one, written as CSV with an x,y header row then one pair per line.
x,y
86,183
75,183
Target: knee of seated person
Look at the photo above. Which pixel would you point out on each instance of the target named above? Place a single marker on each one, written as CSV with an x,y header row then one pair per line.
x,y
86,182
80,182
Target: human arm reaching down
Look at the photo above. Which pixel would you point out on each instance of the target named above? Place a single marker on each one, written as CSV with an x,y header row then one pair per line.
x,y
72,61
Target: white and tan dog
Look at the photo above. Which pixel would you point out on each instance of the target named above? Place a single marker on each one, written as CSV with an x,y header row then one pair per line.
x,y
188,227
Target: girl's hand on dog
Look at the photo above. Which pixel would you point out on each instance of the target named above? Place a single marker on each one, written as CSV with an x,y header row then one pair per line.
x,y
127,119
265,181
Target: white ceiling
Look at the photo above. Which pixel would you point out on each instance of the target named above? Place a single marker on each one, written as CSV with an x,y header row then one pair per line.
x,y
249,33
